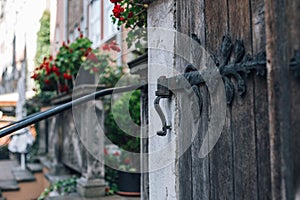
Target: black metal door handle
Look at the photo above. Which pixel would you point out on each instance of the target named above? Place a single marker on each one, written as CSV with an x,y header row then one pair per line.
x,y
162,92
160,113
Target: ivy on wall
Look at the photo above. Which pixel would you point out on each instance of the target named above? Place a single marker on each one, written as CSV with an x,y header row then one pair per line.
x,y
43,39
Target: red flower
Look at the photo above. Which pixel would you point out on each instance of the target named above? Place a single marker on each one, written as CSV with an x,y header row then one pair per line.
x,y
50,58
48,69
78,29
117,11
130,15
55,69
63,88
57,73
107,189
122,19
71,50
81,35
46,81
88,51
127,161
115,48
68,41
35,76
116,153
67,76
115,1
45,59
95,69
106,47
92,57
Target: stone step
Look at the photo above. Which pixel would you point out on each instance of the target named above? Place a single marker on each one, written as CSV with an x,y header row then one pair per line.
x,y
22,175
34,167
9,185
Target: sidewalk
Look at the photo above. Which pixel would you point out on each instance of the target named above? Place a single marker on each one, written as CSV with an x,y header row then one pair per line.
x,y
10,171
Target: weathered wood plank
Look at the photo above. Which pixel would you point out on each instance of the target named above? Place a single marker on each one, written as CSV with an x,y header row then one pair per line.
x,y
200,166
279,99
220,158
242,116
216,24
261,105
294,44
185,184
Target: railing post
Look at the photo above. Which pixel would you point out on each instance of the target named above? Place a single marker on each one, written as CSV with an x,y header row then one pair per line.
x,y
92,183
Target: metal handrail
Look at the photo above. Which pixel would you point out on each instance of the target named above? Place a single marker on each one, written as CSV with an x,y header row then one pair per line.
x,y
15,122
60,108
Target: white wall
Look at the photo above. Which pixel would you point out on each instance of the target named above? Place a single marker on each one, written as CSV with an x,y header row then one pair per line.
x,y
162,150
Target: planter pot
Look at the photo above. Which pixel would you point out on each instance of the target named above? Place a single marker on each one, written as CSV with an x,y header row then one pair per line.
x,y
51,87
129,184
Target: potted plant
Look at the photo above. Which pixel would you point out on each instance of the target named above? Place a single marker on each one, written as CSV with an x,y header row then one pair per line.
x,y
129,180
122,174
123,164
132,14
58,74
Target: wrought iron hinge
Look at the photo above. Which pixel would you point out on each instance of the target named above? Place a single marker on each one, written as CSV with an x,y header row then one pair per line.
x,y
234,63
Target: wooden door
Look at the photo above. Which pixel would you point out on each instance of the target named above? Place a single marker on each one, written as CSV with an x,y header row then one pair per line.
x,y
255,157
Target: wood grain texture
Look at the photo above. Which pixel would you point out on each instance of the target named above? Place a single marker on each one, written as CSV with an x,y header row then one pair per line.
x,y
279,99
184,163
221,157
242,115
293,21
261,104
200,166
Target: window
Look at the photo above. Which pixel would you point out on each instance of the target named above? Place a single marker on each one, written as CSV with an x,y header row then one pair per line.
x,y
94,23
109,28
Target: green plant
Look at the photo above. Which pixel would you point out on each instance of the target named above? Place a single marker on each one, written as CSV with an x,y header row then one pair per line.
x,y
133,15
62,187
112,129
58,74
43,39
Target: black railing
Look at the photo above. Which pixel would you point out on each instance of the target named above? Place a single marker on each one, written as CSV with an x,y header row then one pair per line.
x,y
31,119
